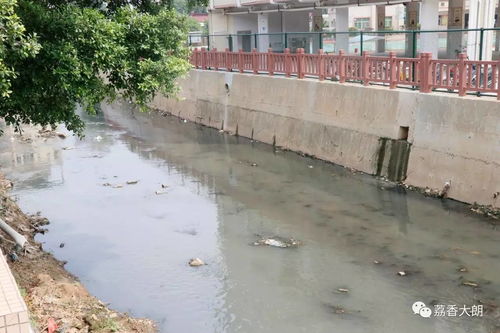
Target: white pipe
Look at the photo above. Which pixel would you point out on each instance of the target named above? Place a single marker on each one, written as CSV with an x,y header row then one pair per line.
x,y
237,13
251,11
298,9
17,237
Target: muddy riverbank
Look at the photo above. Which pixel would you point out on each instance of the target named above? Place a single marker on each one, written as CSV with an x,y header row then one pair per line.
x,y
48,289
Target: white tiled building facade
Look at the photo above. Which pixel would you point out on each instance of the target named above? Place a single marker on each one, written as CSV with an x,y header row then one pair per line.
x,y
242,19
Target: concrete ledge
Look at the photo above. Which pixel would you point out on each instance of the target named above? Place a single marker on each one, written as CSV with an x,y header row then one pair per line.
x,y
452,138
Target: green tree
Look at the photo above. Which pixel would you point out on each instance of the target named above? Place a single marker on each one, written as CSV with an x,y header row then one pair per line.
x,y
14,45
86,55
193,25
190,6
155,54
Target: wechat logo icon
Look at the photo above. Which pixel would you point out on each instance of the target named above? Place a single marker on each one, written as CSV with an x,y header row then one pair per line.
x,y
421,309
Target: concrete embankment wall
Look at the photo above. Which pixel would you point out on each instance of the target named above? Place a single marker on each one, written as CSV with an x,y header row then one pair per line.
x,y
428,138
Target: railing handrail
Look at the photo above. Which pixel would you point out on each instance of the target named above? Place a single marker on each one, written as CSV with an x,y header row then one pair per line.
x,y
347,32
456,75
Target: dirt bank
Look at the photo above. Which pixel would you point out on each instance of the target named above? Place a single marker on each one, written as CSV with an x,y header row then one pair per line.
x,y
48,289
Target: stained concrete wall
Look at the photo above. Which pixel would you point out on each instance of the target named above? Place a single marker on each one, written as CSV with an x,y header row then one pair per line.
x,y
453,139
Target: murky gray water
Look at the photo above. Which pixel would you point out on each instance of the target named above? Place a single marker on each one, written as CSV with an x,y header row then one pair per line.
x,y
130,246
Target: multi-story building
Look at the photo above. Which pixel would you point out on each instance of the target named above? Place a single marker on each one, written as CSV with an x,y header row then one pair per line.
x,y
309,24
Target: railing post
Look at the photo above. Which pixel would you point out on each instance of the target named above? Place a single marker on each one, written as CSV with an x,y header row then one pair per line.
x,y
413,44
321,64
230,43
203,59
194,58
393,70
481,42
365,67
270,61
342,65
424,69
300,63
287,63
214,59
227,60
255,60
361,42
240,60
462,74
498,79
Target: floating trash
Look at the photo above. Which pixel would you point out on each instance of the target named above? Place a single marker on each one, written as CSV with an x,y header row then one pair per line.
x,y
336,309
132,182
195,262
26,140
277,242
444,191
470,284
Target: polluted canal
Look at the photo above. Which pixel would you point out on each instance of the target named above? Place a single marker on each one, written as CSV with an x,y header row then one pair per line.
x,y
285,243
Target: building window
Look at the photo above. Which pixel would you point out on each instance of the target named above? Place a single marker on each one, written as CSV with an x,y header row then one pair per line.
x,y
388,22
443,20
362,23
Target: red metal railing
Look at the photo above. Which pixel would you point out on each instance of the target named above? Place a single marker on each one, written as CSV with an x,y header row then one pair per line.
x,y
460,75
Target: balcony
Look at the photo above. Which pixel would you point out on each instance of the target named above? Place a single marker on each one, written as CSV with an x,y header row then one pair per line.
x,y
222,4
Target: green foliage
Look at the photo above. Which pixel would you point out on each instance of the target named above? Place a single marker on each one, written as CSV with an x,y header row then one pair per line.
x,y
14,44
143,6
155,54
190,6
353,31
87,56
192,24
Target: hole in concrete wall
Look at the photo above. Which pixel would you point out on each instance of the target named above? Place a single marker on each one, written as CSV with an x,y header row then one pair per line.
x,y
227,88
403,132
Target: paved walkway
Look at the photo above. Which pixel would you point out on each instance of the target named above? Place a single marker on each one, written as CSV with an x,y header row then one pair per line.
x,y
13,311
